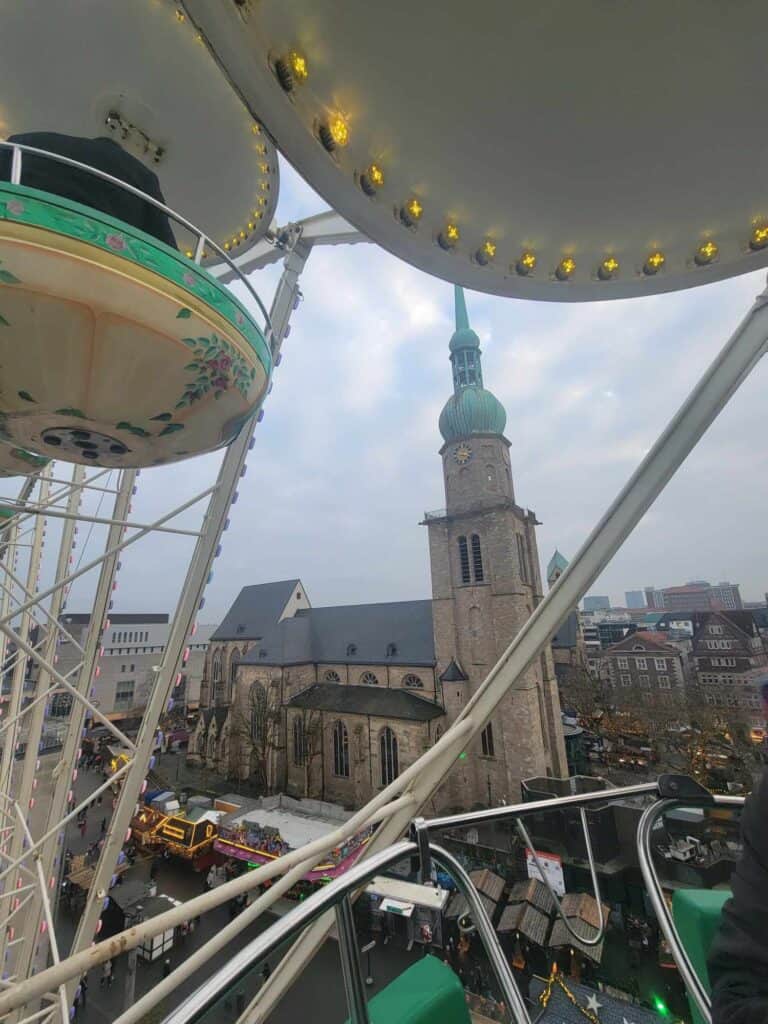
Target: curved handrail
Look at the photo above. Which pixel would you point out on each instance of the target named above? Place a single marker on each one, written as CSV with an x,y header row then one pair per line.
x,y
203,240
584,940
332,895
645,855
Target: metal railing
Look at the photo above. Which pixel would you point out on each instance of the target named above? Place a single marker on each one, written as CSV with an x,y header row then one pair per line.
x,y
204,241
336,895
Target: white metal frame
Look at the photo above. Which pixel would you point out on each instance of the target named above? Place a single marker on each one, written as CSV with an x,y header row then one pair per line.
x,y
397,804
35,854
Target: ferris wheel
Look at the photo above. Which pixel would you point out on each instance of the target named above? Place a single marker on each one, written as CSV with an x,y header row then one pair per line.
x,y
555,154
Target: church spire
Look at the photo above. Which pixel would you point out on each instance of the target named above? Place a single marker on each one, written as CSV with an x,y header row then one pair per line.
x,y
470,409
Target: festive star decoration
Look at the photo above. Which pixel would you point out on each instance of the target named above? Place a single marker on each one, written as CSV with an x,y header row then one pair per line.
x,y
593,1005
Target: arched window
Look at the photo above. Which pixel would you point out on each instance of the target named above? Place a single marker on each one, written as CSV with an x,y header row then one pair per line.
x,y
477,559
331,676
390,767
233,663
299,741
413,682
340,750
212,747
486,740
201,743
351,650
258,699
369,679
464,560
438,732
216,667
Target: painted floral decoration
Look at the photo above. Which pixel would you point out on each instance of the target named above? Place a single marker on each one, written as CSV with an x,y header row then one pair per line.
x,y
15,207
116,242
218,367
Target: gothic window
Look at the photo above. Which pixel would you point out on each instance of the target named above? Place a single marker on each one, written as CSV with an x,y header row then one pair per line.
x,y
390,766
299,742
369,679
486,740
212,747
331,676
258,697
521,557
413,682
340,750
234,662
216,667
201,743
464,560
477,559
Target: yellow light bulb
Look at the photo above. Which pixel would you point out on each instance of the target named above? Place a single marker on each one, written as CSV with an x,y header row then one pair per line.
x,y
339,130
251,225
189,254
261,201
256,128
298,65
264,168
706,253
610,265
180,15
565,268
415,209
242,234
656,260
264,186
227,245
376,175
261,150
452,232
489,248
759,238
528,260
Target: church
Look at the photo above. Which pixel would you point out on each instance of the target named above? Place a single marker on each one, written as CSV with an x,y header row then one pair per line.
x,y
333,703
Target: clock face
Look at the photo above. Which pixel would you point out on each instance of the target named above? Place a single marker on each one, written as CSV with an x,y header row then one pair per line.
x,y
462,454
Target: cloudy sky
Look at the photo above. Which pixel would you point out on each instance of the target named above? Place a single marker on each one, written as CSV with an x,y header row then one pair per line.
x,y
346,460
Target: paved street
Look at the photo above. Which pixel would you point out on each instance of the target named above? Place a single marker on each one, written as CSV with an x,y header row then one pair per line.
x,y
319,997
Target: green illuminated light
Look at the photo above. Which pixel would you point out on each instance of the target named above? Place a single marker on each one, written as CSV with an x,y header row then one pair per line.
x,y
463,756
661,1006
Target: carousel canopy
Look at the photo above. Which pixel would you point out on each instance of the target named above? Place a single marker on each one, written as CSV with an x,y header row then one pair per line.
x,y
548,151
143,75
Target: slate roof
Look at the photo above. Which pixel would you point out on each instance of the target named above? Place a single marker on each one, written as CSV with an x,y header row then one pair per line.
x,y
358,634
458,906
454,673
377,701
562,937
256,611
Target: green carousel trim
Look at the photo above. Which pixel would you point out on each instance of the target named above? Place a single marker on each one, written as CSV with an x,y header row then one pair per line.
x,y
24,205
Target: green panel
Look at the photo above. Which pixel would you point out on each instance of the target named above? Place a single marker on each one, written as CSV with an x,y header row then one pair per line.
x,y
696,913
66,217
427,993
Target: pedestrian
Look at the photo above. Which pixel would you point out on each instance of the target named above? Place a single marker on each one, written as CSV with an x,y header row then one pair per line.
x,y
82,828
106,974
166,967
103,826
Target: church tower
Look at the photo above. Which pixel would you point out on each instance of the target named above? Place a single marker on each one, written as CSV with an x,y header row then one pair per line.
x,y
485,583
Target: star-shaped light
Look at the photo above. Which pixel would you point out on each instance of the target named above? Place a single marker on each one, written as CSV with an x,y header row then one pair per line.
x,y
592,1004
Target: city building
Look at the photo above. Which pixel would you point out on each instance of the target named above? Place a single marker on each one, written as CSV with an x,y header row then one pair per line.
x,y
596,603
634,599
645,669
696,596
132,646
333,703
568,647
